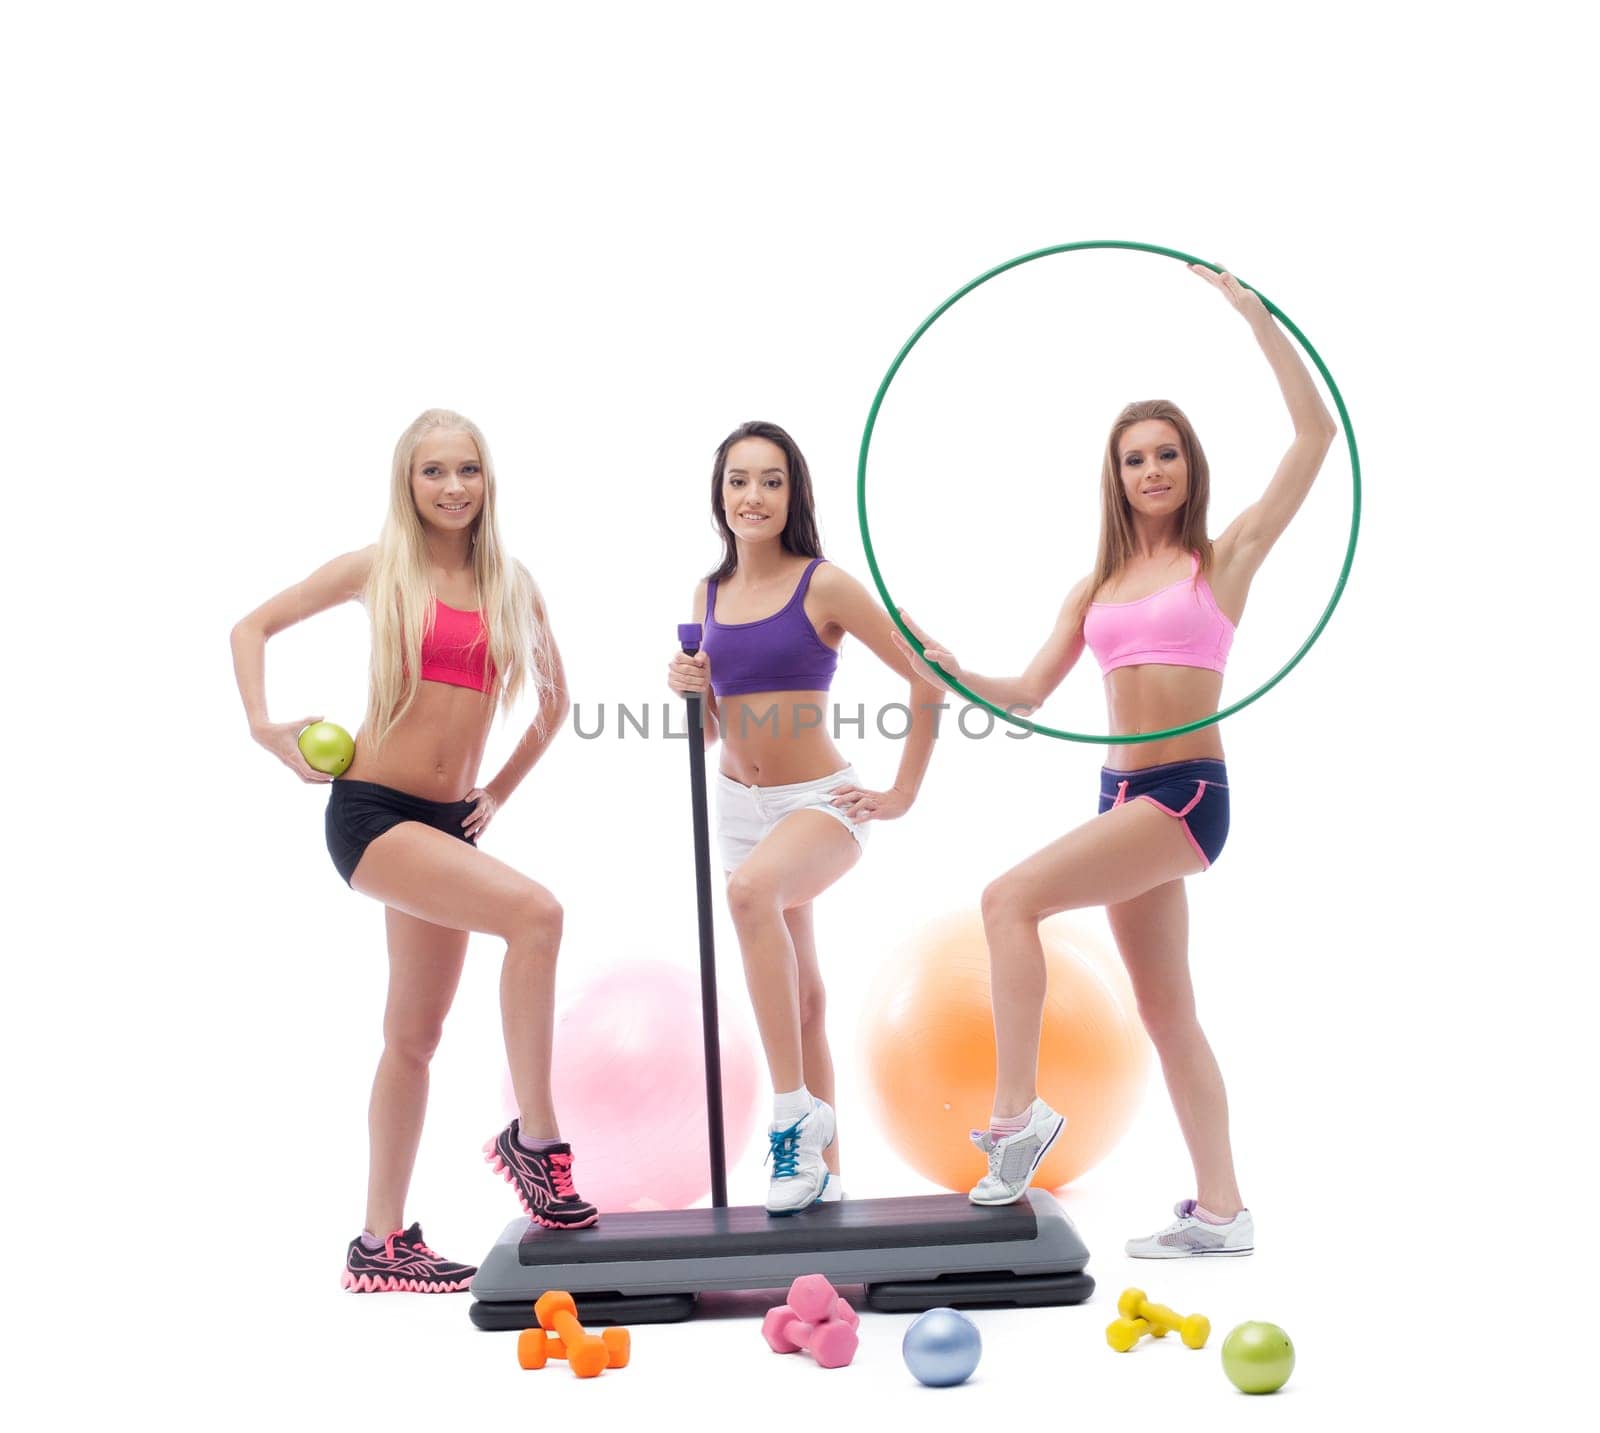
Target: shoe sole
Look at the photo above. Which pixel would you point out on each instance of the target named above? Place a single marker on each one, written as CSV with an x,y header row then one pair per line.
x,y
1044,1149
1197,1254
800,1208
391,1284
497,1162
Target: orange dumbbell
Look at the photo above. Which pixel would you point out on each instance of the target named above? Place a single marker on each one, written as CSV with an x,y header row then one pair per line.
x,y
536,1346
557,1314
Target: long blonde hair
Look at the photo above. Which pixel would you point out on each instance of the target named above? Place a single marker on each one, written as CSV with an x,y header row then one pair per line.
x,y
1116,522
399,598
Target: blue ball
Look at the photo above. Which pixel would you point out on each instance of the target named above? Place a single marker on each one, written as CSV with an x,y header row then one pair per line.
x,y
941,1348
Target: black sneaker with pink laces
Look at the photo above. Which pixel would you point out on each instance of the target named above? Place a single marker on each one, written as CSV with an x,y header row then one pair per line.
x,y
542,1179
403,1265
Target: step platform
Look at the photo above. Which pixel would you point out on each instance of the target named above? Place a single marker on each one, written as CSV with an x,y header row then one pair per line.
x,y
910,1253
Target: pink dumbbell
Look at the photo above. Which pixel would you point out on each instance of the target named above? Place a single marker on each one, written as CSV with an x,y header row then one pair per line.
x,y
815,1319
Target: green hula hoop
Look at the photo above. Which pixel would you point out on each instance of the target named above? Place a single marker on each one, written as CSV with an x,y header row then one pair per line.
x,y
1012,717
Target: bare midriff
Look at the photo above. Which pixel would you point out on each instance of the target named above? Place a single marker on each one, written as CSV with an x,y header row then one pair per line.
x,y
435,749
777,738
1156,698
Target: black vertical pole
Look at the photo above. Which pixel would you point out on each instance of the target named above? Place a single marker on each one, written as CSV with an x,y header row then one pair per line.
x,y
689,639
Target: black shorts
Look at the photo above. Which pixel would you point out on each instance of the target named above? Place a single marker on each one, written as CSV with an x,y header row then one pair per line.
x,y
361,811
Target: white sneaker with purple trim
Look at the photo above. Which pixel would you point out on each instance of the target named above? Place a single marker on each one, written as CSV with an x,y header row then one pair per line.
x,y
1190,1236
1013,1160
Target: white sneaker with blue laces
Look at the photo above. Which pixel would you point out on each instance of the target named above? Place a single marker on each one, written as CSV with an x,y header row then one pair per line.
x,y
799,1177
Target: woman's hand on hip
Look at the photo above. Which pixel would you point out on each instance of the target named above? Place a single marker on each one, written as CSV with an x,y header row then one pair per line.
x,y
477,822
860,805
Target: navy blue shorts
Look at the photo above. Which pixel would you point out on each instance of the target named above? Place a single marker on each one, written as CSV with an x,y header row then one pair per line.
x,y
1194,792
361,811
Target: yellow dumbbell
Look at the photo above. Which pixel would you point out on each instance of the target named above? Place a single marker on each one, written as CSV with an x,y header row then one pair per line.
x,y
1193,1329
1122,1334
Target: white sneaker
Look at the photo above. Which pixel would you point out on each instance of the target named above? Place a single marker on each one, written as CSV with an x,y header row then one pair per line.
x,y
1013,1159
1190,1236
799,1177
833,1191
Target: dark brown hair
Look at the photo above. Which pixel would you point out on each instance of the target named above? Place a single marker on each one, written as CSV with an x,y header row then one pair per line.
x,y
799,533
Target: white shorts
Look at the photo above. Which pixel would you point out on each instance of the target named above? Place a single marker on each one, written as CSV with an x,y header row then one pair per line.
x,y
746,813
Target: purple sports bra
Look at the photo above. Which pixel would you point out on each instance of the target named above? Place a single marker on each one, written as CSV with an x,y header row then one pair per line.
x,y
780,653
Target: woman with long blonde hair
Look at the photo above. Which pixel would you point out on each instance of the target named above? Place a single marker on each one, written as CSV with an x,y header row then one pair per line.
x,y
1159,613
458,629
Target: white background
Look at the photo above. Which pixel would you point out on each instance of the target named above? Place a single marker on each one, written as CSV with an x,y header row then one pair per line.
x,y
246,248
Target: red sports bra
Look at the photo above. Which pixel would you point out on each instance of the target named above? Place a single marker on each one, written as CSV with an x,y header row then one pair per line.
x,y
455,649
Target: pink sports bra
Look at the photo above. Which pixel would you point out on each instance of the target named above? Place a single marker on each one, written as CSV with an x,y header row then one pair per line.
x,y
1179,625
455,649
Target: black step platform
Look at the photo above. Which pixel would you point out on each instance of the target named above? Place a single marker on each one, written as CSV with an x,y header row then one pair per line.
x,y
911,1253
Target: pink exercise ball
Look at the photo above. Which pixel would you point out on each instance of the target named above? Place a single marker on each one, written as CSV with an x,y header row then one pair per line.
x,y
629,1088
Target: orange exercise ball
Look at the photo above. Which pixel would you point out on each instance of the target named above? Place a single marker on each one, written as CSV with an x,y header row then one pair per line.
x,y
929,1037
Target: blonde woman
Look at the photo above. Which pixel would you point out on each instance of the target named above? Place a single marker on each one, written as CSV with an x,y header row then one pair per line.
x,y
458,628
1159,613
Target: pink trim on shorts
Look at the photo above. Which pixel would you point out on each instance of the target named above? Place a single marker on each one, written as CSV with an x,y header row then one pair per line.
x,y
1200,791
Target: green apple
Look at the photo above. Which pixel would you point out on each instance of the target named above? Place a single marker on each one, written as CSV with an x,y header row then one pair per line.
x,y
327,748
1258,1358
